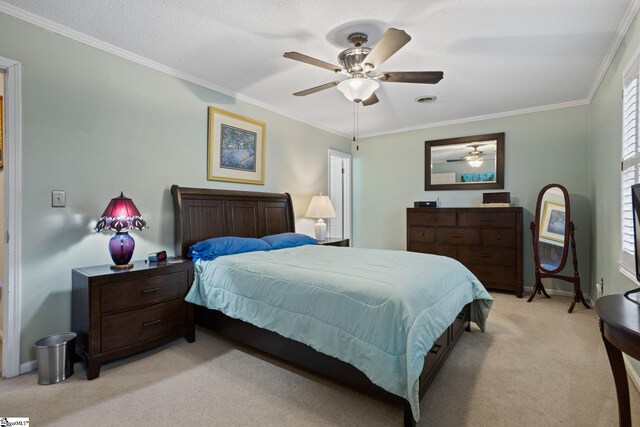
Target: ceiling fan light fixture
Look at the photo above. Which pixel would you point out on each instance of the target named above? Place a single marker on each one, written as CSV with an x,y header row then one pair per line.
x,y
358,88
475,163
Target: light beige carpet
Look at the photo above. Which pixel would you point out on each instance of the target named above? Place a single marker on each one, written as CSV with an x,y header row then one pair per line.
x,y
537,365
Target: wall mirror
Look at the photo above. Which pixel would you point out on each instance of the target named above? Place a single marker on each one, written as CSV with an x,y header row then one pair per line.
x,y
467,163
553,234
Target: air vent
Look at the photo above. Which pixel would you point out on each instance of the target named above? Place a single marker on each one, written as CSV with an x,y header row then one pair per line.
x,y
426,99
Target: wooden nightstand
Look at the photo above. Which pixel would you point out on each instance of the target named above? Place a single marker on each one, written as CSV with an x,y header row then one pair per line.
x,y
334,241
117,313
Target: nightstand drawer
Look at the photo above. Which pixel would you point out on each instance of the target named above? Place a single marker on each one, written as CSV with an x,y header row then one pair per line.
x,y
132,327
141,293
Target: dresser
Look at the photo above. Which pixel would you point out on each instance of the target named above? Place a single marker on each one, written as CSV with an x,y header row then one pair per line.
x,y
117,313
488,241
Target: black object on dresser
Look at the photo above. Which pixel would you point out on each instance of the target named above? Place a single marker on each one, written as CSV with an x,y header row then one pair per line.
x,y
488,241
117,313
334,241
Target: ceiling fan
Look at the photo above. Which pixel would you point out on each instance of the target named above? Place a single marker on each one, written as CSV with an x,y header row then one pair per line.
x,y
475,158
359,61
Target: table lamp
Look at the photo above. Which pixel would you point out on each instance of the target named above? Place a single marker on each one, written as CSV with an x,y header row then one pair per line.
x,y
121,215
320,207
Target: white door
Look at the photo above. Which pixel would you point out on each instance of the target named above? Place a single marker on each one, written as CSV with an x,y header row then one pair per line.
x,y
340,194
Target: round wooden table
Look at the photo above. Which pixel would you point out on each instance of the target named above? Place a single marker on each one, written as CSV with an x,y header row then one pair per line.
x,y
620,327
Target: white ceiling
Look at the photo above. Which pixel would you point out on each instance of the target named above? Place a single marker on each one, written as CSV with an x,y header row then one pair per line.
x,y
498,56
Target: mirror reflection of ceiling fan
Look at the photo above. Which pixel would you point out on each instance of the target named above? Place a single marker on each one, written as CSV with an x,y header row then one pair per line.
x,y
475,158
359,61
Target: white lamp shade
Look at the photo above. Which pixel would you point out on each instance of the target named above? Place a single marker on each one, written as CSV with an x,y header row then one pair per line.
x,y
357,88
320,207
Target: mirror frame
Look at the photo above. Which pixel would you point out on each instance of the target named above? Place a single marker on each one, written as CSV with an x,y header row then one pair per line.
x,y
498,137
567,227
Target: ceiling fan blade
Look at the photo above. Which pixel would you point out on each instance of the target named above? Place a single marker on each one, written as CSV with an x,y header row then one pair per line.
x,y
428,77
313,61
316,89
391,42
373,99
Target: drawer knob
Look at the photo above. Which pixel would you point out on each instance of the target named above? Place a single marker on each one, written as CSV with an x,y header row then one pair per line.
x,y
153,322
150,291
498,237
422,233
435,349
485,256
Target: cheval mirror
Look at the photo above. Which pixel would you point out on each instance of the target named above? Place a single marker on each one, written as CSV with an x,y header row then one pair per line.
x,y
553,232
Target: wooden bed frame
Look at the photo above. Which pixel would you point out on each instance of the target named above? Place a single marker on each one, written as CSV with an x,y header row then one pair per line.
x,y
205,213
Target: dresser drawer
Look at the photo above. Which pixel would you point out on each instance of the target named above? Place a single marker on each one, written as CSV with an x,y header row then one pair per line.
x,y
433,218
136,326
494,274
487,219
458,236
482,255
496,237
450,251
140,293
422,234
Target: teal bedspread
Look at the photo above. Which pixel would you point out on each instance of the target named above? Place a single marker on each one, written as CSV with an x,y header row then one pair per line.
x,y
378,310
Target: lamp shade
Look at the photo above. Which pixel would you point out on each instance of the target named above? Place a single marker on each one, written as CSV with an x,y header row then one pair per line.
x,y
357,88
320,207
121,215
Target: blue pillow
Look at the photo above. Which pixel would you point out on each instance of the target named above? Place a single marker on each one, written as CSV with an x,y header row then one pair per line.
x,y
289,240
210,249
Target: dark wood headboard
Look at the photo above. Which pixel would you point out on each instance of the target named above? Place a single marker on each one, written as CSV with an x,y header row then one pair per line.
x,y
202,213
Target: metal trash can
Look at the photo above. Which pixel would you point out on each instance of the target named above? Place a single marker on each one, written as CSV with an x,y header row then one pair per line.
x,y
55,355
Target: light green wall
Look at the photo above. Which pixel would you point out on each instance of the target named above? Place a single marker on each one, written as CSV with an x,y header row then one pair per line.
x,y
605,154
540,148
95,124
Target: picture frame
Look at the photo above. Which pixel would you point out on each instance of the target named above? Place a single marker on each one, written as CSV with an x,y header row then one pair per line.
x,y
1,132
553,223
236,148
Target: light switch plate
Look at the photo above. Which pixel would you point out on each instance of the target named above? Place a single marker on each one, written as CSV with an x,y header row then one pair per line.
x,y
58,198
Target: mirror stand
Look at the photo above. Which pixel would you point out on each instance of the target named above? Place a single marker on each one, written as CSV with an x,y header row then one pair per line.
x,y
577,291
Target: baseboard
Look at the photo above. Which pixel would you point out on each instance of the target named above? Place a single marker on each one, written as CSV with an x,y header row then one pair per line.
x,y
29,366
529,289
590,300
635,378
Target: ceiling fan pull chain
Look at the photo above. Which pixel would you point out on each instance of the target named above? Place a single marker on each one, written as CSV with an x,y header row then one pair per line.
x,y
355,124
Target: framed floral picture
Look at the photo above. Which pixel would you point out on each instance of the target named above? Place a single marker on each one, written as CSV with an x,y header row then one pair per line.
x,y
552,224
236,148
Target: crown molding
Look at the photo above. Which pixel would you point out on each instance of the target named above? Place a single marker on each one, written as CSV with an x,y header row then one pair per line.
x,y
109,48
613,48
485,117
54,27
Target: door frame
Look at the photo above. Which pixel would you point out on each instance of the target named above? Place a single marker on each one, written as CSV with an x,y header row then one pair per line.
x,y
349,195
11,322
